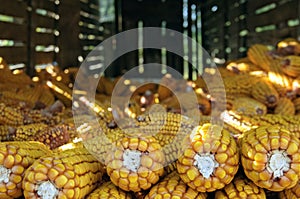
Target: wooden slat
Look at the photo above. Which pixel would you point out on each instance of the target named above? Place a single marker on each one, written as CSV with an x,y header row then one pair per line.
x,y
41,21
43,57
13,31
44,4
14,54
87,30
279,14
271,37
86,8
13,8
254,5
90,42
44,39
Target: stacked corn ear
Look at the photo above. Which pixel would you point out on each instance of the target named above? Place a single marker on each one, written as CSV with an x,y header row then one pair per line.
x,y
241,187
270,157
173,187
265,92
259,55
108,191
210,159
15,158
292,193
72,173
248,106
285,106
136,163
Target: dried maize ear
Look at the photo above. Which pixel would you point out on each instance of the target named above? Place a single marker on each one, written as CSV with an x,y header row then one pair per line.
x,y
242,188
270,157
264,92
72,174
243,65
200,83
281,82
291,65
99,138
173,187
245,123
248,106
109,191
210,159
5,134
259,55
46,97
15,158
61,92
293,193
169,129
296,103
288,46
285,107
10,116
53,137
136,163
26,132
166,87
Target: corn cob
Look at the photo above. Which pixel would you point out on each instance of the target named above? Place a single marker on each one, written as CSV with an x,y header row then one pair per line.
x,y
281,82
26,132
136,163
12,98
243,65
166,87
248,106
173,187
169,129
296,103
270,157
285,107
72,173
10,116
259,55
210,159
291,65
240,187
99,138
52,137
31,94
288,46
293,193
244,87
61,92
242,123
5,133
264,92
21,78
47,97
15,158
109,191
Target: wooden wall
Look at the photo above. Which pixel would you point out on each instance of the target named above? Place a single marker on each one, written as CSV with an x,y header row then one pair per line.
x,y
237,24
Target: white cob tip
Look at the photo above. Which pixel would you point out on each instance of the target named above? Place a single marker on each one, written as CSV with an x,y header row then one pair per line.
x,y
4,174
206,164
278,163
47,190
132,159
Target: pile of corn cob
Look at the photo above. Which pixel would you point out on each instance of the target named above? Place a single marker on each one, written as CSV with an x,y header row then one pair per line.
x,y
163,154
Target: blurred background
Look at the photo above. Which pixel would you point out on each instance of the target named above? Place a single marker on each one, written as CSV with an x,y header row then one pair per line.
x,y
36,33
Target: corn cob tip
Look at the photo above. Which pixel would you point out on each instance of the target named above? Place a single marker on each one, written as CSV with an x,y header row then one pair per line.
x,y
4,174
132,159
206,164
278,163
47,190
